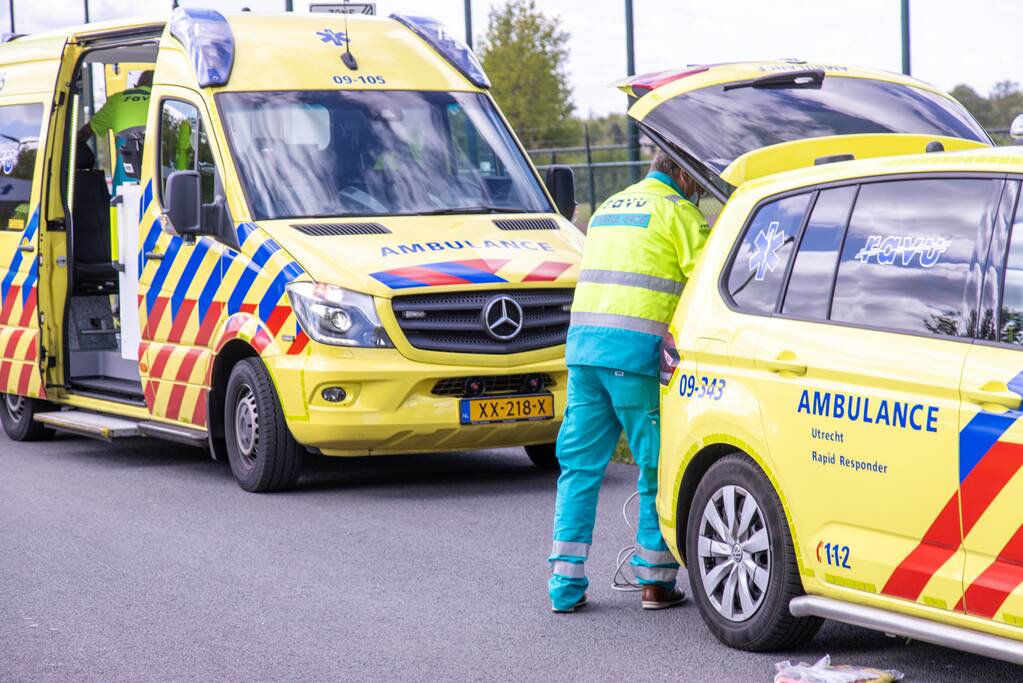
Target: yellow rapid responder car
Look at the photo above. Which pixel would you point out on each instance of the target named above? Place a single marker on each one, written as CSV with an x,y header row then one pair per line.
x,y
843,376
329,239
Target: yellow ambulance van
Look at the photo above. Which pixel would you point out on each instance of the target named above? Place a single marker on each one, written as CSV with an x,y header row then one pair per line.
x,y
316,236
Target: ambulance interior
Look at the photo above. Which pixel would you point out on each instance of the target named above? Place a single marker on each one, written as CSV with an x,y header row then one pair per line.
x,y
101,316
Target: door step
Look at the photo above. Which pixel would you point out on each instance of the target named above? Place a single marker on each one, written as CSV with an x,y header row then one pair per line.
x,y
95,425
182,435
905,626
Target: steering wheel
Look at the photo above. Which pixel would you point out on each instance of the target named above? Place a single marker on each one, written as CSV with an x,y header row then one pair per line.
x,y
351,193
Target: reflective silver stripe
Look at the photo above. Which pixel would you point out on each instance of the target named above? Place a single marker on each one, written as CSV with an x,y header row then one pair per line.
x,y
569,570
570,549
664,574
617,277
621,322
655,556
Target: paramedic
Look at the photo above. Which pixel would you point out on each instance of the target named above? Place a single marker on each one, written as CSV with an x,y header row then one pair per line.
x,y
123,113
641,246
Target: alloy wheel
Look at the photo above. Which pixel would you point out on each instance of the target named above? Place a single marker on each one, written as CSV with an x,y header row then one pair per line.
x,y
734,553
15,406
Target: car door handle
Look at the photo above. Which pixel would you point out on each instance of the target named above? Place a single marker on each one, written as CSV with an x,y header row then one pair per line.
x,y
994,393
154,256
786,362
27,248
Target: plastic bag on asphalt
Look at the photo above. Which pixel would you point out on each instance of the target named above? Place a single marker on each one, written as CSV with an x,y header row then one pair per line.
x,y
824,672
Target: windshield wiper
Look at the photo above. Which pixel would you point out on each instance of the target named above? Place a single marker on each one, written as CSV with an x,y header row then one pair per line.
x,y
453,210
804,78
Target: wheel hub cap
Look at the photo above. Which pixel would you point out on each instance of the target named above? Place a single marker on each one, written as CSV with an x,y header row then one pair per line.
x,y
734,553
246,424
15,406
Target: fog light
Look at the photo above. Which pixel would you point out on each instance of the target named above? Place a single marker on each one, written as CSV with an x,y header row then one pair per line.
x,y
474,386
533,383
334,394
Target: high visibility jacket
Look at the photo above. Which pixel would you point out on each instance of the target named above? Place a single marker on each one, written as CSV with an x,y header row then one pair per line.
x,y
641,246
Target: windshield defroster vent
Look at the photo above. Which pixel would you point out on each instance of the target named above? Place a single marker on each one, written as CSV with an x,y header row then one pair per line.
x,y
340,229
526,223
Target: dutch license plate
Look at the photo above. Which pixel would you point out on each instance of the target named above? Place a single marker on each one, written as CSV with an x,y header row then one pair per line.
x,y
506,409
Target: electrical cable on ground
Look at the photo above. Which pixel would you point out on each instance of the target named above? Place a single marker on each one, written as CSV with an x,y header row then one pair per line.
x,y
619,580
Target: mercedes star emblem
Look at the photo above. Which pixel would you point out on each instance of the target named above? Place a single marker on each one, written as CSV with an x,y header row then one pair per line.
x,y
503,318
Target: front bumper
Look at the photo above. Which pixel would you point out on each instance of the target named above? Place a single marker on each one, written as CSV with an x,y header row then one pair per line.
x,y
389,405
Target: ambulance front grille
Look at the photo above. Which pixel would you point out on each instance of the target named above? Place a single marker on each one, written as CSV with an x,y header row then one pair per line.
x,y
493,385
453,321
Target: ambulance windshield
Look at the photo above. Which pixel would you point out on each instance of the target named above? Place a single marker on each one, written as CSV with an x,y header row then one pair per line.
x,y
308,154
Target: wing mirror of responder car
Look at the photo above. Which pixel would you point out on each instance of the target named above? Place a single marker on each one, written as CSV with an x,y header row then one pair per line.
x,y
560,183
182,209
1016,129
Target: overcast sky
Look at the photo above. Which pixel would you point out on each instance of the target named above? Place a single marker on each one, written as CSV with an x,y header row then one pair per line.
x,y
979,42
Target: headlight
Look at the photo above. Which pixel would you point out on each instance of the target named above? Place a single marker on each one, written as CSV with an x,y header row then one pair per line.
x,y
332,315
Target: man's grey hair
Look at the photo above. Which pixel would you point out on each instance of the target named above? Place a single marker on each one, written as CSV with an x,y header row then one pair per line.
x,y
663,163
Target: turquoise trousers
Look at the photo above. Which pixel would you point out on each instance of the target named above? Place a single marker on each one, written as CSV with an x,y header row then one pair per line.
x,y
601,403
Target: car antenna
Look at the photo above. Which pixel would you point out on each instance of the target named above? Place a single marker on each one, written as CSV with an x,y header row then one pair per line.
x,y
347,58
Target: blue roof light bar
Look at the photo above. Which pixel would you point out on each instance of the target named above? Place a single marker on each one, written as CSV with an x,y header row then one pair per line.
x,y
448,45
206,36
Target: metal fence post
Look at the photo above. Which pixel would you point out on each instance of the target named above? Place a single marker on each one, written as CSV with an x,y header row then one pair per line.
x,y
589,170
905,37
632,132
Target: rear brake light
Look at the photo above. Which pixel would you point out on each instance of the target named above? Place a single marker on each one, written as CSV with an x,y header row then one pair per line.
x,y
670,358
644,83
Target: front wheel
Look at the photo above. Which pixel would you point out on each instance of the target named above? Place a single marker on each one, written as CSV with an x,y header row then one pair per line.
x,y
264,456
544,456
741,560
18,416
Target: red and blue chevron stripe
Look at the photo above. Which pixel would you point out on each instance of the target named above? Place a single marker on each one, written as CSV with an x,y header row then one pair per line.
x,y
986,465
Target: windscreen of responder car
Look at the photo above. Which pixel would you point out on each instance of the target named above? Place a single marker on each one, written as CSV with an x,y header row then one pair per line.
x,y
376,153
717,126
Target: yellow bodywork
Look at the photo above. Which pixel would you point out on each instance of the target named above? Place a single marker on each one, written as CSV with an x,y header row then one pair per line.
x,y
199,298
882,514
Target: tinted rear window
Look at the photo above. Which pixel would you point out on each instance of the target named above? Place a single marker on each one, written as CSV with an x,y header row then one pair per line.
x,y
910,251
717,126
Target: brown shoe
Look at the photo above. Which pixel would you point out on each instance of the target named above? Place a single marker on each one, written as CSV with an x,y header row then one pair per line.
x,y
658,597
577,606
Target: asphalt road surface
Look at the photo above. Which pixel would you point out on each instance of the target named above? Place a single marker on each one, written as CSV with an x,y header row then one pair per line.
x,y
144,561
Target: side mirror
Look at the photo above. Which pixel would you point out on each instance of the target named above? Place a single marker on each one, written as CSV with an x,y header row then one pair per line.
x,y
560,183
181,210
1016,129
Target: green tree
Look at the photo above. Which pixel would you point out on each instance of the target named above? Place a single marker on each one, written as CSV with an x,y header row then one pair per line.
x,y
525,52
998,109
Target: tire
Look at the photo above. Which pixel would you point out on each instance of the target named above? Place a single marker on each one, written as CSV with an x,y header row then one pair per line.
x,y
757,617
544,456
18,416
264,456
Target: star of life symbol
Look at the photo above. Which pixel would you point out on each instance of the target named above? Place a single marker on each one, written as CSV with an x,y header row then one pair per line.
x,y
765,258
885,250
8,158
329,35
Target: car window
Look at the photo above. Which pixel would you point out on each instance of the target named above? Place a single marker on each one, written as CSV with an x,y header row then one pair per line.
x,y
1012,289
19,139
758,270
813,272
184,146
909,252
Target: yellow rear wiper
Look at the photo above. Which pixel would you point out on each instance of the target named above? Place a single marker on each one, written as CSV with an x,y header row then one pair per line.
x,y
804,78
